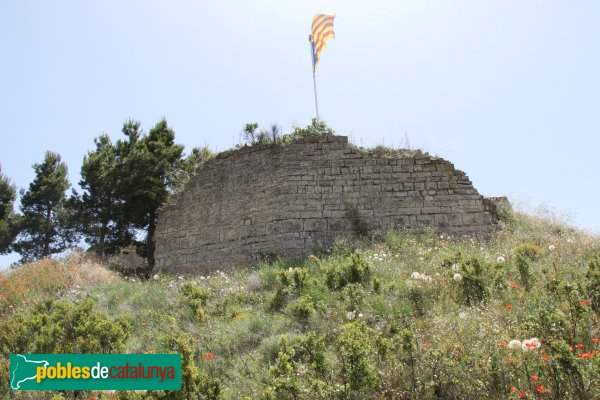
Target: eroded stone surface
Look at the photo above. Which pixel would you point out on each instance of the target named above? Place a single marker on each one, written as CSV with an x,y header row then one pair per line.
x,y
291,199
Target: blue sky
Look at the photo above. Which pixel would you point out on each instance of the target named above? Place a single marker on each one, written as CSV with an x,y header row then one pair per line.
x,y
509,91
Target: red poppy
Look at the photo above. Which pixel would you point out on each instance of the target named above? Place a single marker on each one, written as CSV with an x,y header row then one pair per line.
x,y
427,344
521,395
540,388
508,307
204,358
585,303
595,340
503,344
210,355
145,324
119,297
513,285
585,355
579,346
534,377
513,389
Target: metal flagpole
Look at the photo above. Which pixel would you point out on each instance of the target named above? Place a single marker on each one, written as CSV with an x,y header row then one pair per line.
x,y
312,57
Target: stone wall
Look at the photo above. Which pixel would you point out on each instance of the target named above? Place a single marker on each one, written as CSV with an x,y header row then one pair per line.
x,y
291,199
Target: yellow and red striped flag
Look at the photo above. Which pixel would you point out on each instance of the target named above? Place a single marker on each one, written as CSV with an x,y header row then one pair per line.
x,y
321,32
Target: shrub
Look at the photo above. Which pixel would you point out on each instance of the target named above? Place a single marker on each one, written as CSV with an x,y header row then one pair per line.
x,y
593,282
359,226
302,308
355,351
196,299
474,289
357,270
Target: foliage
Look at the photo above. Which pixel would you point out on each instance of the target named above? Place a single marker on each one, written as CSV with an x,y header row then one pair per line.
x,y
8,219
100,208
144,165
61,327
45,225
359,226
525,254
474,288
354,270
383,318
274,135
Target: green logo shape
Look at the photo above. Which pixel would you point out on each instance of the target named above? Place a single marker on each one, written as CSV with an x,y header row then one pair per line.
x,y
95,371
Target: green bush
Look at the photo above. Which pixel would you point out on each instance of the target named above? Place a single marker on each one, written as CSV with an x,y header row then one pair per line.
x,y
474,288
301,309
355,351
357,270
593,282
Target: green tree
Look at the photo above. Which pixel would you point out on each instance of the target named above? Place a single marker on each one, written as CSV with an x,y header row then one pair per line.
x,y
45,228
145,164
100,208
180,176
8,218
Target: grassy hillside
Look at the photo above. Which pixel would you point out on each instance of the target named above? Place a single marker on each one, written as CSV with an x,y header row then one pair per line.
x,y
398,316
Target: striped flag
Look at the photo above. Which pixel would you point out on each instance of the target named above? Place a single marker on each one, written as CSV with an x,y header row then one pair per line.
x,y
322,30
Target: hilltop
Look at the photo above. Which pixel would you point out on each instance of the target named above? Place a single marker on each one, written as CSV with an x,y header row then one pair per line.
x,y
409,315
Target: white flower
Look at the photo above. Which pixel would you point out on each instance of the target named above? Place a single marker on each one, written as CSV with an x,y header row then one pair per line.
x,y
531,344
457,277
180,277
462,315
551,247
427,278
156,277
360,315
415,275
514,344
350,314
455,267
500,260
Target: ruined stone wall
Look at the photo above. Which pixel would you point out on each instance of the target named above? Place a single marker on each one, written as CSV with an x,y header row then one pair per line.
x,y
291,199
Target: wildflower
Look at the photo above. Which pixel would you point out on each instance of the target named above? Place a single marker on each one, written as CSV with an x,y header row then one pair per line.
x,y
415,276
119,297
535,377
350,314
579,346
514,344
513,285
585,355
503,344
551,247
145,324
156,277
584,303
457,277
513,389
500,260
210,355
520,395
544,357
595,340
442,283
540,388
427,344
531,344
508,307
204,358
455,267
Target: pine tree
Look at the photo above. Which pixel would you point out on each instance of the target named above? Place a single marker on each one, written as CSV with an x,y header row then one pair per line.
x,y
100,208
146,162
45,226
8,218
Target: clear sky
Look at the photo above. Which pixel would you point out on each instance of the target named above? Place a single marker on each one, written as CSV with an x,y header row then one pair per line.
x,y
508,90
